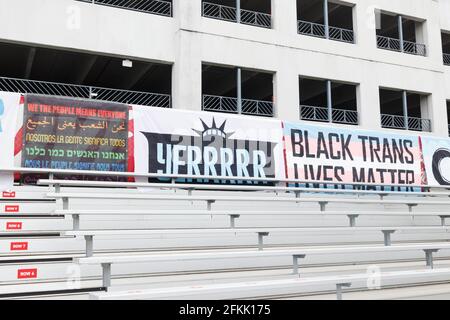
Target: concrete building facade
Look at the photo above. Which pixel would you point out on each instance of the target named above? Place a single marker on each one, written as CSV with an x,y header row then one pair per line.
x,y
393,46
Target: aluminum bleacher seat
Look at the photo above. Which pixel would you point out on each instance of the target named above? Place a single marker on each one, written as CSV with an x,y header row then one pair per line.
x,y
200,232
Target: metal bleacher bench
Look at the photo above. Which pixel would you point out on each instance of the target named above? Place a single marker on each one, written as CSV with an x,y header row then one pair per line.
x,y
57,184
257,197
212,199
106,261
234,213
250,289
261,232
293,193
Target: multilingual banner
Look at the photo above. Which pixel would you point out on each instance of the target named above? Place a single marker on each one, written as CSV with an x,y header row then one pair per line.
x,y
72,134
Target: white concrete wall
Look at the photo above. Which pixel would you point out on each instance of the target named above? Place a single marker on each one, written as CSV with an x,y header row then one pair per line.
x,y
187,40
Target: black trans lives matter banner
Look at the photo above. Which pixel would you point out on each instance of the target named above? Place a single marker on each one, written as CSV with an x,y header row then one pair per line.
x,y
73,134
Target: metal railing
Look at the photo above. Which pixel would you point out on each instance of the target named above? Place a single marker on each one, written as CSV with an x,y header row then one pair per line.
x,y
230,105
163,8
447,59
394,44
318,30
311,29
388,43
409,123
414,48
345,116
341,34
320,114
173,178
217,11
256,18
88,92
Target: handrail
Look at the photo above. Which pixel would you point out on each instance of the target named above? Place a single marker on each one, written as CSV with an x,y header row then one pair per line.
x,y
81,91
240,290
342,116
174,177
447,59
398,45
163,8
405,123
254,18
227,13
83,183
230,105
318,30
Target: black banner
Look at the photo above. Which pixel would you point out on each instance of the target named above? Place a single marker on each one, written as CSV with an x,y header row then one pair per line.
x,y
210,152
73,134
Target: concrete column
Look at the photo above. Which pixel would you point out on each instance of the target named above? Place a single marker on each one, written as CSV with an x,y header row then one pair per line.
x,y
188,14
437,111
365,25
187,72
368,100
424,110
187,68
325,19
420,29
239,89
238,11
284,18
400,33
286,90
405,108
424,107
429,33
329,102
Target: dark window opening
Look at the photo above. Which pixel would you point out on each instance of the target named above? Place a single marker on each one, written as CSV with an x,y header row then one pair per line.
x,y
344,96
340,16
253,12
388,26
23,63
314,101
311,18
409,30
446,47
392,110
220,90
405,39
414,105
391,102
257,85
311,11
446,42
219,81
313,92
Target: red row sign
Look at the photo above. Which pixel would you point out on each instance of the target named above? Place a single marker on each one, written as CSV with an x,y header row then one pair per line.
x,y
14,226
9,194
19,246
27,273
11,208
